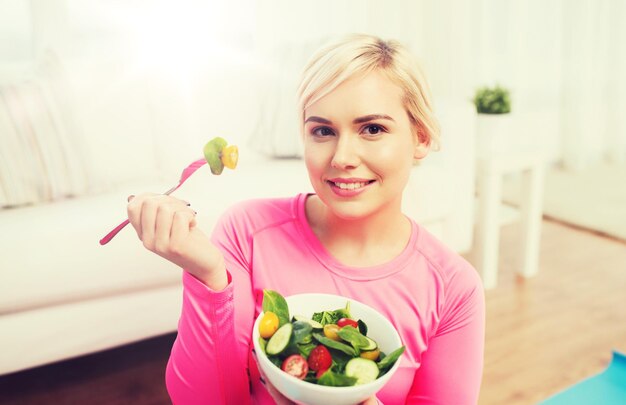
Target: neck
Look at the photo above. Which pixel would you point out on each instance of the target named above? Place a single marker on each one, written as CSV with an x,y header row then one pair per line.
x,y
366,241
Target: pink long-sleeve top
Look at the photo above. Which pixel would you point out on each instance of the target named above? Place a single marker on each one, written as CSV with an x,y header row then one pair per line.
x,y
430,294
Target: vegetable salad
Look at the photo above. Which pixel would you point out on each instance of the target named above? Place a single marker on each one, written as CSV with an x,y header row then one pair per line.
x,y
331,348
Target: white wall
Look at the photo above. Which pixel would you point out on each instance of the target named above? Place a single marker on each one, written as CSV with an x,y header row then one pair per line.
x,y
563,61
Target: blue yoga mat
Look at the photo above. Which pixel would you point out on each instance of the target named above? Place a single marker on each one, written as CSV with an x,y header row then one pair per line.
x,y
606,388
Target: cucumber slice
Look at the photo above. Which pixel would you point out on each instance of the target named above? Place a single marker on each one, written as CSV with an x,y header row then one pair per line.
x,y
314,324
279,340
363,370
371,345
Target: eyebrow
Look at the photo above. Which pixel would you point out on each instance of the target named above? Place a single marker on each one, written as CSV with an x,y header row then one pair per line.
x,y
318,119
359,120
372,117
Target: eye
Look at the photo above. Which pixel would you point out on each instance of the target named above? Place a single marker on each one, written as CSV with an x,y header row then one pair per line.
x,y
322,131
373,129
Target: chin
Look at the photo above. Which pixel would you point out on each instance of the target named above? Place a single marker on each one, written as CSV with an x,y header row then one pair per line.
x,y
349,210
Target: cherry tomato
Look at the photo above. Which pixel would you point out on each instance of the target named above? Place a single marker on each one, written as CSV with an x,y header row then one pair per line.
x,y
320,359
268,325
320,373
330,331
296,366
348,322
371,354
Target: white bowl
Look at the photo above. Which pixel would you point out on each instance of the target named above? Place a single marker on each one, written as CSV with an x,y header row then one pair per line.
x,y
379,329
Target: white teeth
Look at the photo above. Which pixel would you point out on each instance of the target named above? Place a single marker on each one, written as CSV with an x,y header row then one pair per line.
x,y
350,186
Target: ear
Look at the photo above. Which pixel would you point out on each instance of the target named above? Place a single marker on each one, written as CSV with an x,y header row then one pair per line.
x,y
421,150
422,144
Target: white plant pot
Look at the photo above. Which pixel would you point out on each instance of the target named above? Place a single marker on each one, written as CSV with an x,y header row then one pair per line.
x,y
494,135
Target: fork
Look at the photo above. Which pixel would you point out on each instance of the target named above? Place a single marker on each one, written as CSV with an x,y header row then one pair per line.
x,y
187,172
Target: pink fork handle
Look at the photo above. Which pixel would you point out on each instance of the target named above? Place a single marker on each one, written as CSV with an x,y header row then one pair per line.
x,y
114,232
189,170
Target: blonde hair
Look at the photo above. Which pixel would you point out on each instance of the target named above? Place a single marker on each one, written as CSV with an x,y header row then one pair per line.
x,y
358,54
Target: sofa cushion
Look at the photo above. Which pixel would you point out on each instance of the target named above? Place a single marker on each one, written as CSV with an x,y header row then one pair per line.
x,y
54,255
62,331
51,253
39,158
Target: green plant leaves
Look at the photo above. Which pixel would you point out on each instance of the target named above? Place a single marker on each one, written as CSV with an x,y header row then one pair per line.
x,y
325,317
362,327
334,345
332,379
329,317
389,360
494,100
302,332
276,303
304,338
354,337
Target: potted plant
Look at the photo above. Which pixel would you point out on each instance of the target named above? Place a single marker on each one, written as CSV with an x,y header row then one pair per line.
x,y
494,132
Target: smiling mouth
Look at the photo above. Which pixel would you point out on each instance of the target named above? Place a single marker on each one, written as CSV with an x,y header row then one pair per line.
x,y
352,185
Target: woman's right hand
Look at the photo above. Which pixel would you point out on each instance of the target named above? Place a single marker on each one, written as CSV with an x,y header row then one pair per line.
x,y
167,227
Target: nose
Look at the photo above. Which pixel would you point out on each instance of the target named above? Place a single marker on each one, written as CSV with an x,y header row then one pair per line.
x,y
346,155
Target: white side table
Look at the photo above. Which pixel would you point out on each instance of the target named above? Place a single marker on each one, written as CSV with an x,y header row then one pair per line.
x,y
490,172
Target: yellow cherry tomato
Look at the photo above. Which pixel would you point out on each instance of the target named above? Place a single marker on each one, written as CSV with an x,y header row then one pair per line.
x,y
230,156
268,325
371,354
330,331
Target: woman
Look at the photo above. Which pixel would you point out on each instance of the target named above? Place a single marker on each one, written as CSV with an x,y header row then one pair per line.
x,y
366,118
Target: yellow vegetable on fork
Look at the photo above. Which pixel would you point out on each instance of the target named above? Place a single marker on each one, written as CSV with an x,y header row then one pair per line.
x,y
218,154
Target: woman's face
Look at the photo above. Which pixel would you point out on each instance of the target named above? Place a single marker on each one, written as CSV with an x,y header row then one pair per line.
x,y
359,146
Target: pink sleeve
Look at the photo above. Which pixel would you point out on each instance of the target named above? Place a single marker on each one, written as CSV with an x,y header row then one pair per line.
x,y
202,368
451,368
209,360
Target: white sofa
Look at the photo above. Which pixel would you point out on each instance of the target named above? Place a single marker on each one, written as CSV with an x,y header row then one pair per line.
x,y
63,295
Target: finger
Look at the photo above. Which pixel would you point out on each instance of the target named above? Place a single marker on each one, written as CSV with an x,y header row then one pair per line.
x,y
149,210
173,200
181,224
180,205
163,226
133,210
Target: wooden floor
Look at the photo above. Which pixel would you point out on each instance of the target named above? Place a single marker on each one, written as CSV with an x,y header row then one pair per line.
x,y
543,334
549,332
132,374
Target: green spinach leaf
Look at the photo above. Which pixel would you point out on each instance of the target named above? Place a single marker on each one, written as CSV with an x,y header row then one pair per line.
x,y
276,361
340,359
333,379
262,343
302,331
306,349
362,327
274,302
390,359
350,334
343,312
334,344
329,317
325,317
